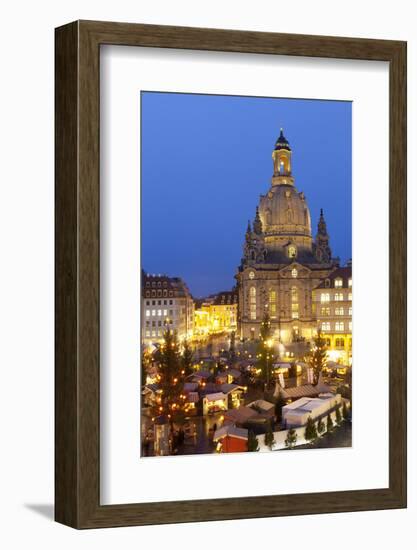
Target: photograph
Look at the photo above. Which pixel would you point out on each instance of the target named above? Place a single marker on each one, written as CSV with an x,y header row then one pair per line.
x,y
246,274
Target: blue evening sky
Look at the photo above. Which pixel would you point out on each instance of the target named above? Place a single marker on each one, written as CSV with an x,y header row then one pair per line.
x,y
205,161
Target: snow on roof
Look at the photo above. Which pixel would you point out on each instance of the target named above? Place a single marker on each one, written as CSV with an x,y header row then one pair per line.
x,y
215,396
307,390
262,404
228,388
242,414
306,404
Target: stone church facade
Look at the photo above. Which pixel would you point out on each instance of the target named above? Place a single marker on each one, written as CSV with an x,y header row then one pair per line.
x,y
282,263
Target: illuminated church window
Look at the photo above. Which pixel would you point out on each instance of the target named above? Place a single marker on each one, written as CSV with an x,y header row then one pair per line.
x,y
272,302
294,302
252,302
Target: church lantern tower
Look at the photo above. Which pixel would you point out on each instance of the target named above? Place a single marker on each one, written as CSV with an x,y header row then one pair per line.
x,y
281,157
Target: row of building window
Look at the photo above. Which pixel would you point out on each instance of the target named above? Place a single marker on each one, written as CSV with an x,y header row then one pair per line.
x,y
153,333
159,302
326,311
339,326
338,283
159,323
158,284
338,297
338,343
158,293
158,312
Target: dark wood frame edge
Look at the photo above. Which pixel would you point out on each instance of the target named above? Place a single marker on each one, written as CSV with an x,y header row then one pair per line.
x,y
77,380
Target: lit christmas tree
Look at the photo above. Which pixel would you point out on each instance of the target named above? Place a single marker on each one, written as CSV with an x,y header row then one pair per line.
x,y
265,352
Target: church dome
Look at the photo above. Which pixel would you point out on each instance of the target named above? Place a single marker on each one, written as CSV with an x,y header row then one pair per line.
x,y
284,211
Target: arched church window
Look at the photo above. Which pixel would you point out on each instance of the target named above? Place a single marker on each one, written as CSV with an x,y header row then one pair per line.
x,y
272,302
252,302
252,255
294,302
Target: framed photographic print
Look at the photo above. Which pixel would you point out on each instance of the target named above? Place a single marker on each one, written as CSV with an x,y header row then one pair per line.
x,y
230,274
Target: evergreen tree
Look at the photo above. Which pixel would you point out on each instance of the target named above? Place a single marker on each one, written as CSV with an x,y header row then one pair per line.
x,y
345,412
171,379
253,444
291,439
320,426
329,423
311,431
338,415
269,437
264,351
187,359
317,358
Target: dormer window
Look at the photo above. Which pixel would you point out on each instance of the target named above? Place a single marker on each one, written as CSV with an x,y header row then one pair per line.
x,y
338,283
292,251
327,283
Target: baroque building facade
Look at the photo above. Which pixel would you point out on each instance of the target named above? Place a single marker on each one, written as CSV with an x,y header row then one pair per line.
x,y
332,303
216,314
167,304
282,264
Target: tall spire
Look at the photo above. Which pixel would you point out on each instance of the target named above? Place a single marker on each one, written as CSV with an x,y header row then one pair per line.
x,y
322,248
257,224
248,231
321,226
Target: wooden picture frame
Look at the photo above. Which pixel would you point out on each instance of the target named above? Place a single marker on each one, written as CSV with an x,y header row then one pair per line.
x,y
77,404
